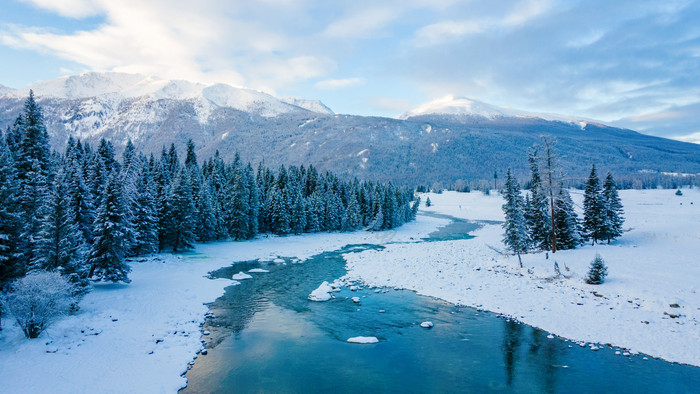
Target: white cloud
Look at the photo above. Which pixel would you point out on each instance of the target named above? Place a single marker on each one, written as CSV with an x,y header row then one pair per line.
x,y
526,11
334,84
364,23
69,8
440,32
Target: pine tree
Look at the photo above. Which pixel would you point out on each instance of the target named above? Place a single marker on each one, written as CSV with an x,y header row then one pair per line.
x,y
108,251
32,198
352,220
612,209
181,232
428,203
33,153
593,208
279,212
60,246
566,224
597,271
537,208
206,218
515,237
145,215
10,217
79,199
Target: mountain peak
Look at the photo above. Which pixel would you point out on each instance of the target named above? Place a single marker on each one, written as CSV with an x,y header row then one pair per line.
x,y
114,85
463,106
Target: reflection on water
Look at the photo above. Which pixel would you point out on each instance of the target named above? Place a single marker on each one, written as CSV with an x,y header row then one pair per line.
x,y
267,337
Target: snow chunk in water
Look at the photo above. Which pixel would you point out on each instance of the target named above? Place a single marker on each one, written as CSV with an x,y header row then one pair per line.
x,y
258,270
363,340
240,276
427,324
356,300
322,293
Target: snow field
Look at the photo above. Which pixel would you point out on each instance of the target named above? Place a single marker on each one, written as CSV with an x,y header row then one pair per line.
x,y
650,268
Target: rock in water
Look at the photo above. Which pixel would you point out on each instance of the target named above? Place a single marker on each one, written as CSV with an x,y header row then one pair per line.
x,y
427,324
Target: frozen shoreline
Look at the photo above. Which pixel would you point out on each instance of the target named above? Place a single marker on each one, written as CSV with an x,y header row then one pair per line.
x,y
140,337
651,267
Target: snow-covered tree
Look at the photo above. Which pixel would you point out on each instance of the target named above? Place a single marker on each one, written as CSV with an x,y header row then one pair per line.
x,y
566,223
597,271
181,230
108,250
352,219
612,209
37,299
145,214
59,244
515,237
593,208
537,214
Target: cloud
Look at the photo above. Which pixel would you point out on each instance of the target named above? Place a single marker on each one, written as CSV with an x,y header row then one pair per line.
x,y
364,23
69,8
440,32
334,84
677,122
391,104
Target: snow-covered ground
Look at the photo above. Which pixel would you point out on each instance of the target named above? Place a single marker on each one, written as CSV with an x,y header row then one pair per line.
x,y
138,338
655,265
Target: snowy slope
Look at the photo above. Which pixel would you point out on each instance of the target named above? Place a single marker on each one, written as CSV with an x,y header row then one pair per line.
x,y
462,106
5,90
311,105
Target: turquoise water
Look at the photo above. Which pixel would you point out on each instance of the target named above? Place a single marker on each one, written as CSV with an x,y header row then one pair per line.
x,y
267,337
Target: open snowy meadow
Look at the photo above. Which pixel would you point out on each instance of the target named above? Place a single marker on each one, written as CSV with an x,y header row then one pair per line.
x,y
140,337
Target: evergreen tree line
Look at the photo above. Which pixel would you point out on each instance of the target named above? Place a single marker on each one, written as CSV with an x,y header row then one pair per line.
x,y
546,220
82,212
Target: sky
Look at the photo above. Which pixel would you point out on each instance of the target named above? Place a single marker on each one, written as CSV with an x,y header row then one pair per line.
x,y
633,64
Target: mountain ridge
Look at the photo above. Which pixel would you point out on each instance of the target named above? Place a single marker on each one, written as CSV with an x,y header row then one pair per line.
x,y
420,149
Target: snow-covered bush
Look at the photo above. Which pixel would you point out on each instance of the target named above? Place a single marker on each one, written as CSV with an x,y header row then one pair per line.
x,y
679,192
37,299
597,272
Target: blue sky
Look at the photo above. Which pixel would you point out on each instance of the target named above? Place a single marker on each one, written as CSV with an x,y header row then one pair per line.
x,y
634,64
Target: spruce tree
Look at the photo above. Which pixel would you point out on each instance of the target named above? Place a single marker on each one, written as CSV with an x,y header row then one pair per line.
x,y
352,220
537,213
10,217
32,141
206,218
181,231
566,224
612,209
593,208
108,250
597,271
145,215
515,237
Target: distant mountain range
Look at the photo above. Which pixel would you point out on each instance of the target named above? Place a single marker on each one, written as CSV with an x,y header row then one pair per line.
x,y
445,140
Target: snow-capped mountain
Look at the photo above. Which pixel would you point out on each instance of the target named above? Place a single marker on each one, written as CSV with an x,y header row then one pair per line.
x,y
112,87
312,105
445,140
462,106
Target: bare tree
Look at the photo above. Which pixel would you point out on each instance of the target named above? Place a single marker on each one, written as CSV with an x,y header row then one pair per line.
x,y
37,299
552,176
